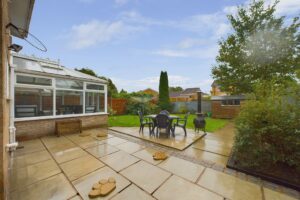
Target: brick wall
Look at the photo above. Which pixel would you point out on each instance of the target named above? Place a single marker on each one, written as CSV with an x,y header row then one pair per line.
x,y
226,112
27,130
4,104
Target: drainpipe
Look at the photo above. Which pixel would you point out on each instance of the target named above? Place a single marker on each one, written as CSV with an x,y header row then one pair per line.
x,y
12,129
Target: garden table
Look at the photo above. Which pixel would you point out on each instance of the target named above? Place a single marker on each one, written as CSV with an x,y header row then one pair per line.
x,y
171,118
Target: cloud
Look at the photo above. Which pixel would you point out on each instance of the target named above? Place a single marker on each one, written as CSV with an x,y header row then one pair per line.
x,y
286,7
191,42
98,32
230,10
205,52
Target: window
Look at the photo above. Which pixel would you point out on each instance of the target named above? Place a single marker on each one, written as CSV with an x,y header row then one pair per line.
x,y
33,80
69,102
69,84
34,97
230,102
94,87
30,102
94,102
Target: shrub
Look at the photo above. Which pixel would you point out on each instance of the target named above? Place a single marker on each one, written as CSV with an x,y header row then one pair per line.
x,y
182,109
133,106
268,128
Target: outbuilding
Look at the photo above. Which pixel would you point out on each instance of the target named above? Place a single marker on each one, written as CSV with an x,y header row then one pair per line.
x,y
226,107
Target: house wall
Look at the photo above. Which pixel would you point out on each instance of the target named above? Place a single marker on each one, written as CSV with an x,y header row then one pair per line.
x,y
4,105
226,112
27,130
215,91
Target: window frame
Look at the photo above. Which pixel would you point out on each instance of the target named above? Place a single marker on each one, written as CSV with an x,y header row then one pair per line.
x,y
54,89
231,101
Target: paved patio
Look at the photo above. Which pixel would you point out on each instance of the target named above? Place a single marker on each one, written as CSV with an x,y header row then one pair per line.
x,y
66,167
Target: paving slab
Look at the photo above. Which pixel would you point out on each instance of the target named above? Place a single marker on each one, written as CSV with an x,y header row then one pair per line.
x,y
29,159
147,155
81,166
21,177
68,154
102,150
182,168
84,184
146,176
130,147
29,146
54,187
274,195
229,186
176,188
119,160
133,192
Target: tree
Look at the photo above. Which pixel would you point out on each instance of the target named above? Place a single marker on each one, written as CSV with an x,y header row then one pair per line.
x,y
163,98
176,89
111,88
260,49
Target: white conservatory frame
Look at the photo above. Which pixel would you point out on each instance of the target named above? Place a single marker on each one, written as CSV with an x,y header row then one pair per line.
x,y
54,89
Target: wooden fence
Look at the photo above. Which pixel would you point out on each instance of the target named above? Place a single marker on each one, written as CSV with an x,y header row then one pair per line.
x,y
118,105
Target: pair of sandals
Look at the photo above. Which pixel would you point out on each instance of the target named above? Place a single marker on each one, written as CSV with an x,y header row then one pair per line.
x,y
103,187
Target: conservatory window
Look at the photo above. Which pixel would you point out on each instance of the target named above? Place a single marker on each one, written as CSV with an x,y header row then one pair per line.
x,y
94,102
69,84
33,80
69,102
32,102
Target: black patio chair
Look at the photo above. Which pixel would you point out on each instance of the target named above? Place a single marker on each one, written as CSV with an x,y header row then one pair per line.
x,y
165,112
145,121
181,122
163,122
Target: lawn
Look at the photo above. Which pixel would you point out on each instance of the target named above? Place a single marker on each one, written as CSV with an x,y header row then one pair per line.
x,y
133,120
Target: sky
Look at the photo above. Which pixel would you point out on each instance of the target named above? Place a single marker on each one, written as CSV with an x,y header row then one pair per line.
x,y
132,41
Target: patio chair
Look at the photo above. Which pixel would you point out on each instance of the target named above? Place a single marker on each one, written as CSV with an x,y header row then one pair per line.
x,y
163,122
145,121
165,112
181,122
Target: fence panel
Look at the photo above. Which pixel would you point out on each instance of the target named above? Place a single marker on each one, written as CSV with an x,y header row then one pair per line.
x,y
118,105
191,106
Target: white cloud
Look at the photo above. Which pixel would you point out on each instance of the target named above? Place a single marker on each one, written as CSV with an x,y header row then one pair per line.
x,y
286,7
230,10
206,52
192,42
98,32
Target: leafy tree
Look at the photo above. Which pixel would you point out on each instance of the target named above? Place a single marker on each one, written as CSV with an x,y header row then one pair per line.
x,y
111,88
87,71
163,98
260,49
176,89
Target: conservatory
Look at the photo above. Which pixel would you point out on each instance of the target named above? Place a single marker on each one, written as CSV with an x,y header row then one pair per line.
x,y
45,91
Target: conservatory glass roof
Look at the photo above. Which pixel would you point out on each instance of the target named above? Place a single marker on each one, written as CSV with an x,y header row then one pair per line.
x,y
38,66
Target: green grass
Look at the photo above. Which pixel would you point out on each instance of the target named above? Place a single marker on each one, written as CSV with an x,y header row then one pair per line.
x,y
133,120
